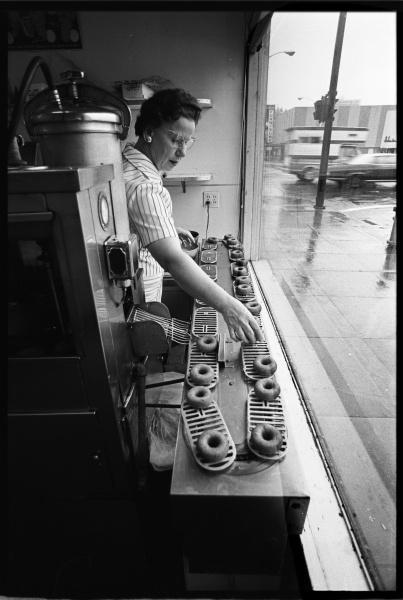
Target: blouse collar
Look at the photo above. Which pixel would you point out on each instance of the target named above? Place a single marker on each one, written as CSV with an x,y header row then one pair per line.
x,y
142,163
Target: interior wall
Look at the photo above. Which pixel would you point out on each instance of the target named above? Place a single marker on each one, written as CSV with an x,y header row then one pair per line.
x,y
202,52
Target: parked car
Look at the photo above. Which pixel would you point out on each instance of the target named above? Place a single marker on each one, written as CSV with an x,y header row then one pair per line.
x,y
365,167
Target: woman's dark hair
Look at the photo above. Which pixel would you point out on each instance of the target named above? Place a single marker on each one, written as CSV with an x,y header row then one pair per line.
x,y
166,106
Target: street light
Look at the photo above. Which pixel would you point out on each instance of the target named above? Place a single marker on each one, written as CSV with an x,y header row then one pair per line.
x,y
289,52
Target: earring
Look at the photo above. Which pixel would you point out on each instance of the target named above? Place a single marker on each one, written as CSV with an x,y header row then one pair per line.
x,y
148,138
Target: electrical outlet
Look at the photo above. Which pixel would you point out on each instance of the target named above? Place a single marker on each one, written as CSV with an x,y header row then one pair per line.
x,y
212,199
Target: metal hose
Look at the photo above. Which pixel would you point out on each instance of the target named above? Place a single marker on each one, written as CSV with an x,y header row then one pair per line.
x,y
30,71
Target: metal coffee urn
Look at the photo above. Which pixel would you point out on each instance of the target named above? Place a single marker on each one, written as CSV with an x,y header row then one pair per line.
x,y
82,125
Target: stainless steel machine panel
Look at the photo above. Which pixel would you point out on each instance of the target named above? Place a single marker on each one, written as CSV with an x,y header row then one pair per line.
x,y
59,455
78,355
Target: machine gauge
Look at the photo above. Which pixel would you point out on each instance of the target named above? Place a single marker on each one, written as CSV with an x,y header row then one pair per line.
x,y
103,210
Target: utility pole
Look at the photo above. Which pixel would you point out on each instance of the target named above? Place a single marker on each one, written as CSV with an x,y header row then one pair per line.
x,y
331,99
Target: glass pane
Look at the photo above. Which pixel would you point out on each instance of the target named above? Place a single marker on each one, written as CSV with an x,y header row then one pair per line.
x,y
336,266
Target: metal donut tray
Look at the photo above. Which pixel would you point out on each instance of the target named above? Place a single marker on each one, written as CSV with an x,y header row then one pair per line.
x,y
259,411
248,353
208,256
209,246
233,266
210,270
248,297
205,321
238,242
196,421
195,357
232,260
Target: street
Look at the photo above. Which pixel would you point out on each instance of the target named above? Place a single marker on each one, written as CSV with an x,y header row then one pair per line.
x,y
337,322
281,182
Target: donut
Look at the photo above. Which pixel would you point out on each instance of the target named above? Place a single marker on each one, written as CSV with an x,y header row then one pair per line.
x,y
228,236
199,396
201,374
212,445
267,389
212,240
242,279
265,365
235,254
207,343
241,262
266,439
254,307
239,271
232,243
243,289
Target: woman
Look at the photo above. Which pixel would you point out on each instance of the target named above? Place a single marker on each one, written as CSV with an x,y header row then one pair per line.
x,y
165,129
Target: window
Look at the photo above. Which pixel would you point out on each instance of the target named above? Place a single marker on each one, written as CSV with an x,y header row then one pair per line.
x,y
363,159
310,140
386,159
334,298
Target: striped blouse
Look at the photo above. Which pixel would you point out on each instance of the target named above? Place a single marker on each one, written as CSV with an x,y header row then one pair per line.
x,y
149,206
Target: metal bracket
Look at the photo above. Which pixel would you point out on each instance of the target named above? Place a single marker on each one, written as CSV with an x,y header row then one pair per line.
x,y
228,351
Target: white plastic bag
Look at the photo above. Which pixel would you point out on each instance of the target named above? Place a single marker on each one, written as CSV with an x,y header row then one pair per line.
x,y
162,434
162,425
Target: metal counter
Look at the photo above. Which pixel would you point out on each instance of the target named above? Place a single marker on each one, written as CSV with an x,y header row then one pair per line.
x,y
254,505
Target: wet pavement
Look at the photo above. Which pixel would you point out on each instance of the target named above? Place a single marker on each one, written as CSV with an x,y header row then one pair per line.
x,y
336,315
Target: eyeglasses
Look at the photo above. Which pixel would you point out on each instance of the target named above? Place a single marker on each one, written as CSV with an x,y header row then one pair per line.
x,y
179,141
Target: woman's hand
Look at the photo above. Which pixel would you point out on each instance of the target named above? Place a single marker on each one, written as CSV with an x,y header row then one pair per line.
x,y
185,236
242,325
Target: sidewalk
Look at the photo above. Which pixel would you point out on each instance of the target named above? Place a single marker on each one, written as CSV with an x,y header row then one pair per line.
x,y
331,286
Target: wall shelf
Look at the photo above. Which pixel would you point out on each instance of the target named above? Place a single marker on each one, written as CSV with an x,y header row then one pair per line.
x,y
173,179
205,102
136,104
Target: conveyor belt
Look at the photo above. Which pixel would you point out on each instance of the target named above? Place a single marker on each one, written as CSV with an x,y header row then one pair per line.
x,y
233,382
198,421
247,486
195,357
272,413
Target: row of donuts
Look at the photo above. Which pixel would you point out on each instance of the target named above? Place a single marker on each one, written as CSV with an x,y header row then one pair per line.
x,y
265,438
266,389
213,444
242,282
201,375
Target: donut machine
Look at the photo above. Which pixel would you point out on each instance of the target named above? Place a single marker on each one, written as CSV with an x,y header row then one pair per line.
x,y
234,510
73,280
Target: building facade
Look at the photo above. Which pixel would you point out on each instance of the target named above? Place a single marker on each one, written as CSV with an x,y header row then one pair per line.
x,y
380,120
